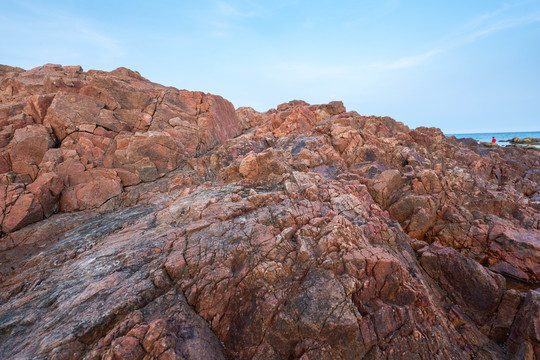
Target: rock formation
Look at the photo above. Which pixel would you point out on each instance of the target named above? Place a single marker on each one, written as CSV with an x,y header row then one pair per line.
x,y
144,222
527,141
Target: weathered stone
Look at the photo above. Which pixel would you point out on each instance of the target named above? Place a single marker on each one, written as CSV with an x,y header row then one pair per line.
x,y
524,339
93,189
249,167
506,314
291,239
479,296
26,210
69,113
521,257
37,106
47,189
28,147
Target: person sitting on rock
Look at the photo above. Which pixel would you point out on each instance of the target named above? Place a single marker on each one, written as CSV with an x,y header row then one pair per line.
x,y
493,140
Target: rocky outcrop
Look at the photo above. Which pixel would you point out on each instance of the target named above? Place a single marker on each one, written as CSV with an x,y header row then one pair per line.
x,y
97,132
479,296
145,222
528,141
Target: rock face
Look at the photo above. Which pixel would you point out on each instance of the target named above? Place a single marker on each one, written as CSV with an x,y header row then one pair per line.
x,y
98,132
145,222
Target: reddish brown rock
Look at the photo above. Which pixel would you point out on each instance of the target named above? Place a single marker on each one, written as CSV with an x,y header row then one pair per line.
x,y
384,185
47,189
249,167
506,315
206,232
149,156
127,348
521,251
25,210
69,113
28,147
479,296
37,106
5,162
524,339
91,190
417,213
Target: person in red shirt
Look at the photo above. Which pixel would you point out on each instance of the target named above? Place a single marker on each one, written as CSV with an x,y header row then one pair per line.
x,y
493,140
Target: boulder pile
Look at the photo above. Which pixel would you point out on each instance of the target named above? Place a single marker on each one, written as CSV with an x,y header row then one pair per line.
x,y
140,221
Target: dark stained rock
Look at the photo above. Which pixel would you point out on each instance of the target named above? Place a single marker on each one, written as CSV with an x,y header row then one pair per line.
x,y
524,339
474,288
510,304
521,250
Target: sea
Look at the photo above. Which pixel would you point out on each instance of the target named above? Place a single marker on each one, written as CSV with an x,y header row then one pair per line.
x,y
501,137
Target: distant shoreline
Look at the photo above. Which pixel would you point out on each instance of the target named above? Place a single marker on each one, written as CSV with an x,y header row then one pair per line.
x,y
461,135
503,138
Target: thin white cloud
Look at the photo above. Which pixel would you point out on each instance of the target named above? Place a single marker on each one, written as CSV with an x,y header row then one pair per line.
x,y
481,19
484,25
224,19
302,71
410,61
101,40
229,10
80,30
503,25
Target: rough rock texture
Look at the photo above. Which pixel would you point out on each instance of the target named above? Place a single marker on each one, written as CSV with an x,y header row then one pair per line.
x,y
98,132
145,222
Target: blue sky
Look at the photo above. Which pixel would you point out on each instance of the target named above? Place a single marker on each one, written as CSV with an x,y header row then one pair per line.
x,y
463,66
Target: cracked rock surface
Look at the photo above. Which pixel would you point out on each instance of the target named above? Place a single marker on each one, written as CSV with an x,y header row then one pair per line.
x,y
145,222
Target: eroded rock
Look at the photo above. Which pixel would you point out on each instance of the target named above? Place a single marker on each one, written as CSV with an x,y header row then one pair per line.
x,y
197,231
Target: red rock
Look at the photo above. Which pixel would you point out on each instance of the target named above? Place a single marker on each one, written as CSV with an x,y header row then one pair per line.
x,y
37,107
479,296
128,178
5,162
506,314
418,211
69,113
26,210
28,147
93,189
524,339
213,233
218,122
384,185
248,117
102,95
149,156
521,251
248,166
154,332
47,189
127,348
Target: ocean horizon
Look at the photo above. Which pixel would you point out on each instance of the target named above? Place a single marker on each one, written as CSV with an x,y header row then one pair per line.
x,y
501,137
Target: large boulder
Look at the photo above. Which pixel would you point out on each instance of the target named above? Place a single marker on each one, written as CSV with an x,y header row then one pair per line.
x,y
47,189
28,147
474,288
91,190
516,253
148,155
69,113
524,339
26,210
